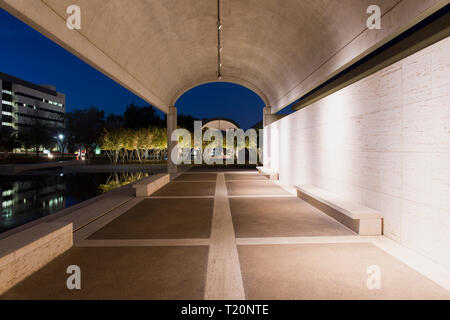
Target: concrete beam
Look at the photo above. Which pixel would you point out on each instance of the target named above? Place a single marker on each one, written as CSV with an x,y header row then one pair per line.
x,y
269,118
52,24
402,16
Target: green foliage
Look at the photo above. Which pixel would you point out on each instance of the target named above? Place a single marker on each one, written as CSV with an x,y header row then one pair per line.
x,y
132,144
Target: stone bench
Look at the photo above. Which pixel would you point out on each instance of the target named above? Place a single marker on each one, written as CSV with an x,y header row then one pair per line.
x,y
273,175
149,185
25,252
361,219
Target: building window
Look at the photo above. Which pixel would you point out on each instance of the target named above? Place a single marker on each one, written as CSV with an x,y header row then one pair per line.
x,y
7,103
6,108
7,92
7,85
6,113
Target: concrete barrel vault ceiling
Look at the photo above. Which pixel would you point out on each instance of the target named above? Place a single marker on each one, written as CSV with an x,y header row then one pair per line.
x,y
280,49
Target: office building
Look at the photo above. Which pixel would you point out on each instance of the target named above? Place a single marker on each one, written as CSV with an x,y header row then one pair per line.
x,y
25,104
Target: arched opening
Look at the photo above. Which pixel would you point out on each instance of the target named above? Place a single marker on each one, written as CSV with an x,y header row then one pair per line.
x,y
222,100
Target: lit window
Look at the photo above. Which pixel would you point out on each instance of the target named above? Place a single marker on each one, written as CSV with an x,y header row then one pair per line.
x,y
6,113
7,193
6,124
6,204
7,102
7,92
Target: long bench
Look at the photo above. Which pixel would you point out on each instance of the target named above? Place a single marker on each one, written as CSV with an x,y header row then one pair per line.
x,y
27,251
149,185
272,174
363,220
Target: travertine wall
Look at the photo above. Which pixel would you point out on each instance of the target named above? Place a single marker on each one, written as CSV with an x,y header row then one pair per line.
x,y
383,142
25,252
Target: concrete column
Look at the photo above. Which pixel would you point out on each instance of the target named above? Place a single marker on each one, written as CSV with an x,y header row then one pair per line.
x,y
266,112
171,126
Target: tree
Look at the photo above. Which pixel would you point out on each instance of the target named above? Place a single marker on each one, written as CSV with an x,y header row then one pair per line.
x,y
26,140
114,121
141,117
186,122
85,126
130,144
62,141
112,143
8,140
40,135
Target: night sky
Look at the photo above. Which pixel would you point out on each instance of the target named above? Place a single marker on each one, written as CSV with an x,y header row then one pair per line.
x,y
27,54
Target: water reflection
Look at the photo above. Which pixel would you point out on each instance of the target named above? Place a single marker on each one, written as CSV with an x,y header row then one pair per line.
x,y
36,194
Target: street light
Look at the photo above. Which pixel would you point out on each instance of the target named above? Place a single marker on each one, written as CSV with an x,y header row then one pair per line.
x,y
61,144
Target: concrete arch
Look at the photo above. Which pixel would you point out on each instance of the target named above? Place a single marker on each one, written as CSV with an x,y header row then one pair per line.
x,y
280,49
221,123
228,79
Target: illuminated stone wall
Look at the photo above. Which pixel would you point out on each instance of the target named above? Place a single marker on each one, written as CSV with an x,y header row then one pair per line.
x,y
383,142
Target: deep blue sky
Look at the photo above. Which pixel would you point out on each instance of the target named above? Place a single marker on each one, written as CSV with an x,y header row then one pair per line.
x,y
27,54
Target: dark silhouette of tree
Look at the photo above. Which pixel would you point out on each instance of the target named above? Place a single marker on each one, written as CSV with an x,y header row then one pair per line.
x,y
186,122
84,126
141,117
26,140
8,140
114,121
40,135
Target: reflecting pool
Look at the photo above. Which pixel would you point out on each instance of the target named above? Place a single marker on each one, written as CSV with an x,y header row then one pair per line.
x,y
35,194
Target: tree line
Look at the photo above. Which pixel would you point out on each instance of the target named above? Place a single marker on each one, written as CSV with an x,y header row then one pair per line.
x,y
136,135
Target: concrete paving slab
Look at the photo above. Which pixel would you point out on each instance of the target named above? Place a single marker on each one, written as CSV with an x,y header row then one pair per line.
x,y
244,176
162,219
197,177
281,217
121,273
236,188
329,271
183,189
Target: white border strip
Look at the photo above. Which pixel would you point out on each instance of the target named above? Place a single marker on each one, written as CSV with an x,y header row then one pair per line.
x,y
142,242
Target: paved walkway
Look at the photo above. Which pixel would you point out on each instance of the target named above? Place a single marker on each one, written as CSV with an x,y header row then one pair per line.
x,y
224,235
